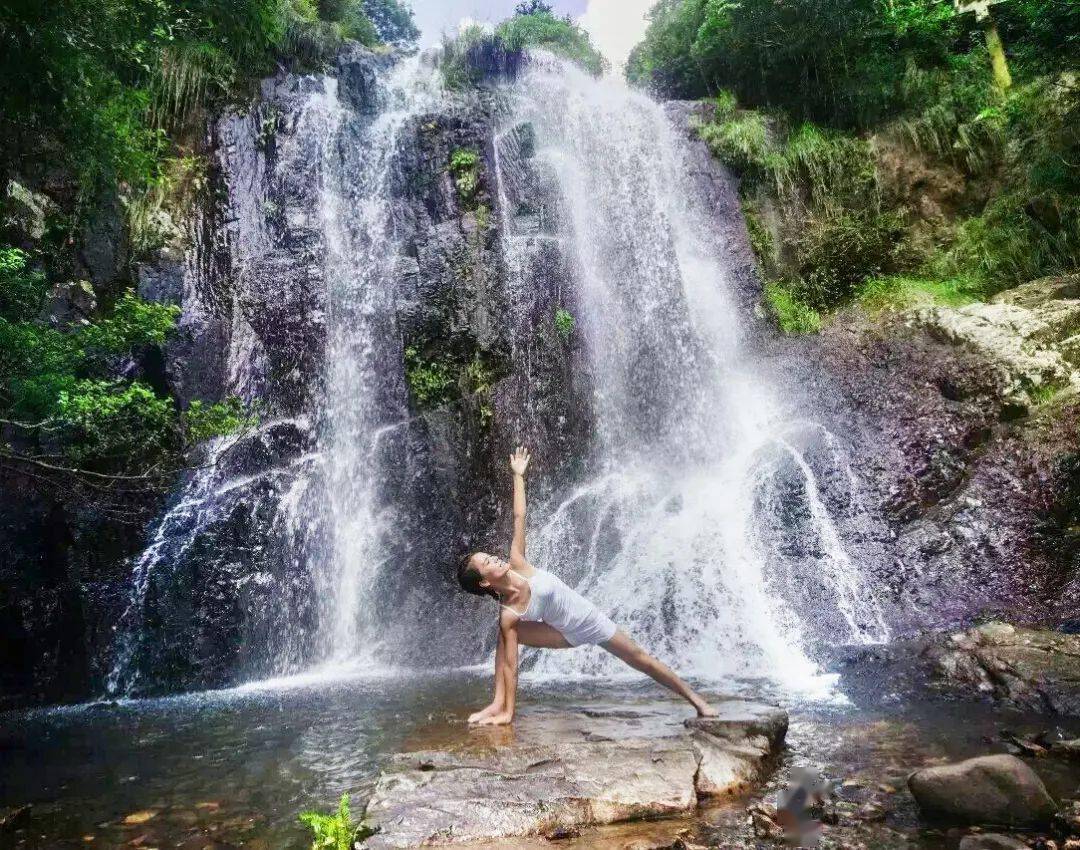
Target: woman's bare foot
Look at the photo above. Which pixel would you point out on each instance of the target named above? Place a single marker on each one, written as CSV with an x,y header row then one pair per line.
x,y
705,710
484,713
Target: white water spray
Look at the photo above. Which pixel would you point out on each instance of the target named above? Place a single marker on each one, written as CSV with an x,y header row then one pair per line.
x,y
668,538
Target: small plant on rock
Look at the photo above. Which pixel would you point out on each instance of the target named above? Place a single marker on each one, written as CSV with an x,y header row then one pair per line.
x,y
431,382
465,166
564,324
336,831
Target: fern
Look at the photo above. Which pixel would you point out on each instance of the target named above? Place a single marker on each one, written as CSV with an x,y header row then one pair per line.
x,y
335,831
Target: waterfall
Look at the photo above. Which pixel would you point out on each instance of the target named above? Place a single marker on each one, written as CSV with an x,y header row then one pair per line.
x,y
311,340
674,534
365,404
708,518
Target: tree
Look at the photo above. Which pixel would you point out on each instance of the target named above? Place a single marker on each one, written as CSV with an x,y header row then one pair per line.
x,y
534,7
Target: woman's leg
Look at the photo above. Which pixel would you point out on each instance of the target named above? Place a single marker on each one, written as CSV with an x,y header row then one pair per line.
x,y
625,649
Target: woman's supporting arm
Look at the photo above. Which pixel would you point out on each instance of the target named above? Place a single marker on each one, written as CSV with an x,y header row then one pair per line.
x,y
498,702
519,462
508,639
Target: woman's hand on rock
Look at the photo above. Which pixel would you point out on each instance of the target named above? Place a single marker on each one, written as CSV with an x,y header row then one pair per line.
x,y
477,716
500,719
519,460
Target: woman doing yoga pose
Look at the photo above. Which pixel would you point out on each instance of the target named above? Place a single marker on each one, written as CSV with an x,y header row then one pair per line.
x,y
537,609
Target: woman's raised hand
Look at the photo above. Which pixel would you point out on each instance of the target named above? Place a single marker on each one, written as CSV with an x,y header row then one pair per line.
x,y
519,460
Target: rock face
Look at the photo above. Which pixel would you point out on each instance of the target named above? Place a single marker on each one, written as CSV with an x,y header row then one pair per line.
x,y
961,426
557,771
986,790
1022,668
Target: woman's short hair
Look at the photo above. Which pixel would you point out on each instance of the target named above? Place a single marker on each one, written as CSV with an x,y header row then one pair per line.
x,y
469,577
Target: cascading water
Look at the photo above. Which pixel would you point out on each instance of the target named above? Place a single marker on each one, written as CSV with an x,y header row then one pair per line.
x,y
366,403
326,195
673,537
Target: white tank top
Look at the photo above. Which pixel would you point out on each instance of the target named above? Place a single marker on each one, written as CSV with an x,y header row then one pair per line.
x,y
564,609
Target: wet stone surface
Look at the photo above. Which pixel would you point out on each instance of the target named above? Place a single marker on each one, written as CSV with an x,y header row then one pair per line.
x,y
558,771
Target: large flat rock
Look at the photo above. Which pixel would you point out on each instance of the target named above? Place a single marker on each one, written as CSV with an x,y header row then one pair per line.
x,y
567,769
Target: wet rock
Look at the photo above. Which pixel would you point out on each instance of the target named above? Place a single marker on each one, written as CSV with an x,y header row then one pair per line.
x,y
991,841
998,789
161,278
24,212
565,771
1068,819
15,818
104,240
1024,334
1025,668
70,303
1068,749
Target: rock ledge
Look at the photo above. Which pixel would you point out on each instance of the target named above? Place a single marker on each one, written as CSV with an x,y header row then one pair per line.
x,y
565,770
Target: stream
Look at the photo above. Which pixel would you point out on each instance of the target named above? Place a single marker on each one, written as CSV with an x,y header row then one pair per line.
x,y
234,768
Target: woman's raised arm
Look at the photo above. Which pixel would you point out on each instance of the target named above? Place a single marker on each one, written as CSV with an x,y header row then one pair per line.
x,y
519,463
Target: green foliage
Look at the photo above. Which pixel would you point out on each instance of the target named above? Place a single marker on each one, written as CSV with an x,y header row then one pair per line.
x,y
22,290
60,384
393,21
431,383
791,313
37,363
1017,152
534,26
203,421
761,239
841,249
179,183
564,324
543,29
335,831
841,63
824,166
458,69
116,426
91,86
132,324
465,165
479,379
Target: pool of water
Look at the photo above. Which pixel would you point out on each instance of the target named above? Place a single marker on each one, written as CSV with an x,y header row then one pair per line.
x,y
234,768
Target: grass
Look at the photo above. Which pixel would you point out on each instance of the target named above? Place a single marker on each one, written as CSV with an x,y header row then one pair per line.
x,y
791,313
901,292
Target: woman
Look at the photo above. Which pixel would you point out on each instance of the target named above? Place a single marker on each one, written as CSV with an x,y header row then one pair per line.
x,y
537,609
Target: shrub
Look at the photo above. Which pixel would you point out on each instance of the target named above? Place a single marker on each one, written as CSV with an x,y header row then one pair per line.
x,y
203,421
116,426
431,382
840,250
22,290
